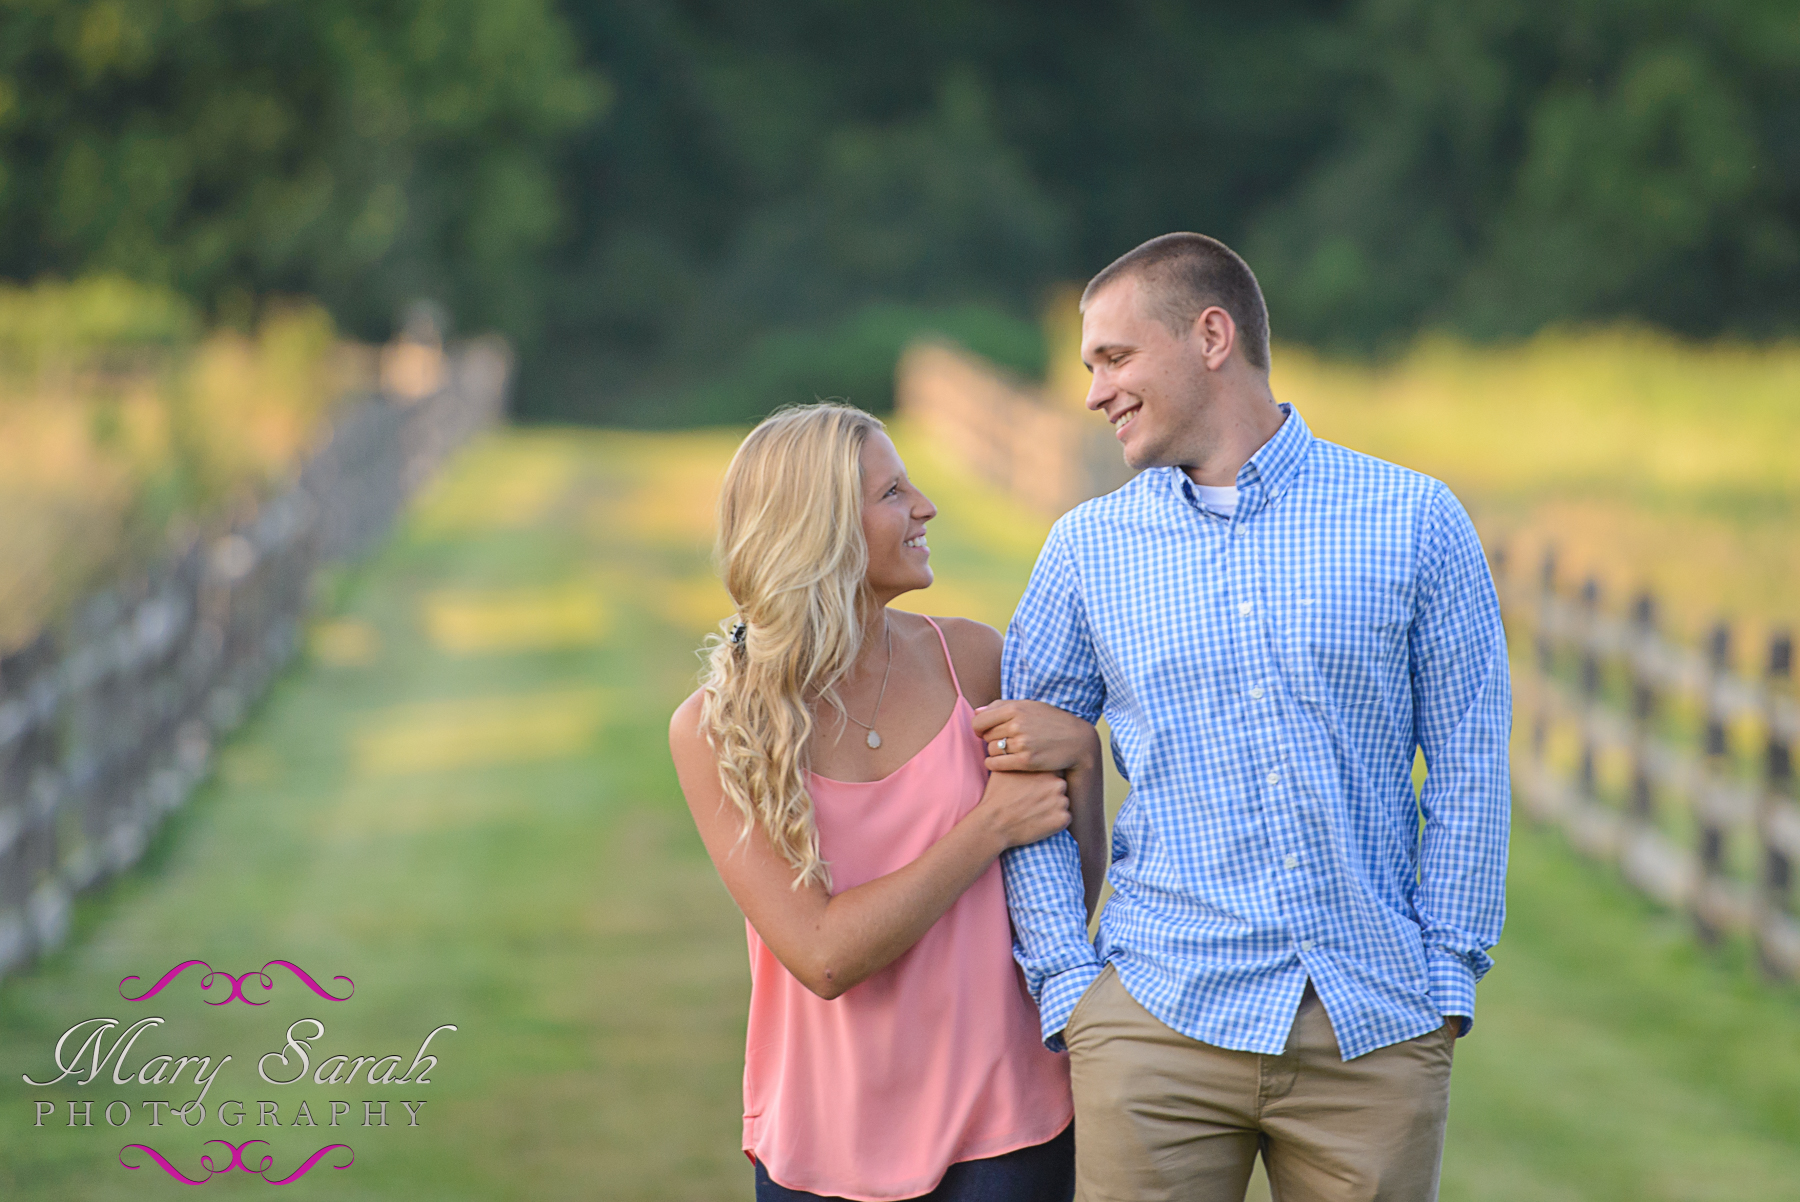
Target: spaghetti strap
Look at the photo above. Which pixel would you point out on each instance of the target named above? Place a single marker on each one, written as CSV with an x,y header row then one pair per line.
x,y
952,663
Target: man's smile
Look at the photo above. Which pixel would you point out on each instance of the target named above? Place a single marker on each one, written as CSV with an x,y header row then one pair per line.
x,y
1123,417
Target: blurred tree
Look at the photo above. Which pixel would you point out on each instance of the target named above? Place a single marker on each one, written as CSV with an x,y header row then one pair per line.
x,y
1511,165
691,209
366,153
773,168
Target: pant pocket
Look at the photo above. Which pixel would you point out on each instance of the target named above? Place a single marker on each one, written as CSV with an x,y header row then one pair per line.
x,y
1069,1028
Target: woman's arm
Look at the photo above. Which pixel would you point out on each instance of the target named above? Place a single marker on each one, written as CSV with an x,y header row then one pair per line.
x,y
833,942
1039,738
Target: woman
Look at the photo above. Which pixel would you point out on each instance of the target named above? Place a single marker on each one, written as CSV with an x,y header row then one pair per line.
x,y
837,782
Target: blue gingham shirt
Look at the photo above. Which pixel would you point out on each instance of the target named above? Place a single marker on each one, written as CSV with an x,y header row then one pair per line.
x,y
1267,678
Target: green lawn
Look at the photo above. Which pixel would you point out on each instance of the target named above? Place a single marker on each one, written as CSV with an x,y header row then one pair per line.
x,y
461,799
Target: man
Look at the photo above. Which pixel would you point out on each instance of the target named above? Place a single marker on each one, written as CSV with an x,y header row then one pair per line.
x,y
1272,625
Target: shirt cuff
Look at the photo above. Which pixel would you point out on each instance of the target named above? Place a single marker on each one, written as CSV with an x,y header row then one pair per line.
x,y
1452,985
1057,999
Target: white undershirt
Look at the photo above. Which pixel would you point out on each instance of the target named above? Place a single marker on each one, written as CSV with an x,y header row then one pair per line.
x,y
1221,499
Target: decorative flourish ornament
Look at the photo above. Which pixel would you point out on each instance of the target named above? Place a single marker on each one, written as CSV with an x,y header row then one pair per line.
x,y
237,983
211,1169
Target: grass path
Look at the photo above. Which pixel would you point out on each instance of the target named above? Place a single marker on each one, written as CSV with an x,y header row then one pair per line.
x,y
462,801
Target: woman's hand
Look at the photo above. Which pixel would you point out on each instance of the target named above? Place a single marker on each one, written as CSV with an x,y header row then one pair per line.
x,y
831,942
1021,808
1039,737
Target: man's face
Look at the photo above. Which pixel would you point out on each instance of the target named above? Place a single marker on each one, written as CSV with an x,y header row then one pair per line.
x,y
1150,383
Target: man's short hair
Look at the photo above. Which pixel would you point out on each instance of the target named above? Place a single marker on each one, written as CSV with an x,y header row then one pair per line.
x,y
1184,275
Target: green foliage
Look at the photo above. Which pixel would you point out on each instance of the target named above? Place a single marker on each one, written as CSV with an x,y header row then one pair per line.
x,y
1507,166
658,198
363,153
852,360
68,324
775,165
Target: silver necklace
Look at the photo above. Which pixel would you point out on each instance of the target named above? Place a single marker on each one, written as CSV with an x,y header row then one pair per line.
x,y
874,739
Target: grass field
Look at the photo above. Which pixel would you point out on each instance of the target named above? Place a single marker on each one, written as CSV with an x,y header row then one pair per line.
x,y
462,800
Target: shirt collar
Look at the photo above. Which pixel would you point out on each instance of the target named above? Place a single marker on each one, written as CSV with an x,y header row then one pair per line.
x,y
1268,473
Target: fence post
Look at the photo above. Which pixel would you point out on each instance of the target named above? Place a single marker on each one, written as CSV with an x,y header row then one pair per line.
x,y
1716,748
1590,687
1643,708
1777,939
1545,646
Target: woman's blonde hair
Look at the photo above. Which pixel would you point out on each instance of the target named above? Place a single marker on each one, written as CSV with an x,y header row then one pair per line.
x,y
793,557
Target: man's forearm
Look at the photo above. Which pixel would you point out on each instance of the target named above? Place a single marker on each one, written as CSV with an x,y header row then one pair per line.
x,y
1087,810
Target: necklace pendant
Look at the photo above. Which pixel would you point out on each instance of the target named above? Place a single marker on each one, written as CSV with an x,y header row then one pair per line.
x,y
874,740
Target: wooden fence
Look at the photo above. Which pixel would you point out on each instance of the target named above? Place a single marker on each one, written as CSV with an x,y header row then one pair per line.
x,y
1675,763
108,720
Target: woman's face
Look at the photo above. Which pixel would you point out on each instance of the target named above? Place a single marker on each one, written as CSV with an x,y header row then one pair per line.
x,y
894,514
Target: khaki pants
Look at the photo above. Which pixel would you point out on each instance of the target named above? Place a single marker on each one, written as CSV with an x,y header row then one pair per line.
x,y
1161,1116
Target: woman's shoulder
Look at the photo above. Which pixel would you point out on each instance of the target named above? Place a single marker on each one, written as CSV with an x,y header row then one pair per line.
x,y
968,633
684,724
975,650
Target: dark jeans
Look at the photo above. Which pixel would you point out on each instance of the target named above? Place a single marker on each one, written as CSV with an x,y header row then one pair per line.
x,y
1041,1173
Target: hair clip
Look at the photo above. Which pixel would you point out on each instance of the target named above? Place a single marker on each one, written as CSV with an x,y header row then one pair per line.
x,y
737,633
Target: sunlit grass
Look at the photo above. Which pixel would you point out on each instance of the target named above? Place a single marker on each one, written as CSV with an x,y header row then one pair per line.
x,y
484,621
1645,461
343,642
120,421
1631,412
516,500
434,736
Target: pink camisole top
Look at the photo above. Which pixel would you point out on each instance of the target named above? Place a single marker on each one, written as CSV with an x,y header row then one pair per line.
x,y
933,1060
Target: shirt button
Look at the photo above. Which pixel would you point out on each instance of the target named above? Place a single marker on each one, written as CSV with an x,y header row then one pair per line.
x,y
1274,777
1292,861
1242,531
1306,945
1256,692
1245,607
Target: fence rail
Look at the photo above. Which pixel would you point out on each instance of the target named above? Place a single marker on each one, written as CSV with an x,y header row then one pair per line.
x,y
108,720
1664,759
